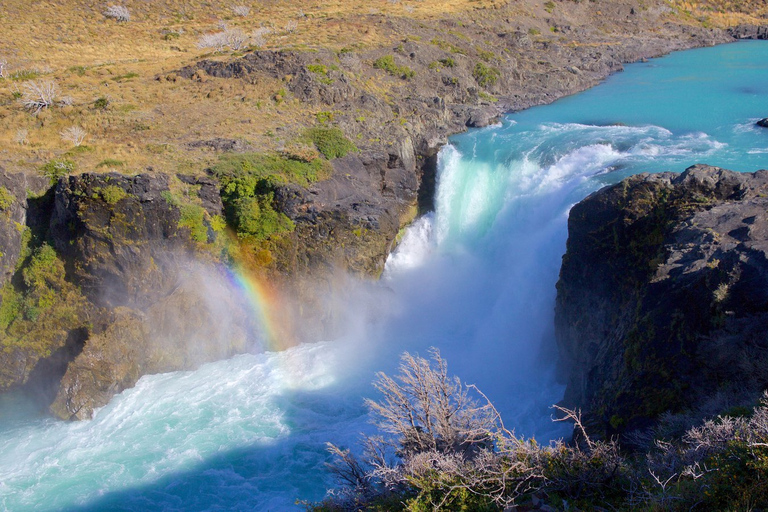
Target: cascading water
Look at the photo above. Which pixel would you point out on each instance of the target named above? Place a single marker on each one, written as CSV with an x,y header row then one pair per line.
x,y
476,278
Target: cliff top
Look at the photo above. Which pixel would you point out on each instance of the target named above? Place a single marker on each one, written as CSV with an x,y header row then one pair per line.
x,y
119,104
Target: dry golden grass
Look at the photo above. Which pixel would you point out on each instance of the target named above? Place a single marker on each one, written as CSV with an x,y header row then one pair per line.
x,y
149,118
726,13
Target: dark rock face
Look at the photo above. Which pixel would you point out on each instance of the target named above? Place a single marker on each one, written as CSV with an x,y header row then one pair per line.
x,y
663,295
763,123
749,32
20,207
118,246
124,245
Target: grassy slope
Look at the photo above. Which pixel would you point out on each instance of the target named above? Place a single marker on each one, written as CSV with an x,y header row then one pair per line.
x,y
148,120
151,117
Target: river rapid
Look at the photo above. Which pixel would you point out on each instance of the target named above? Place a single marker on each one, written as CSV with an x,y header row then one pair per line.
x,y
476,279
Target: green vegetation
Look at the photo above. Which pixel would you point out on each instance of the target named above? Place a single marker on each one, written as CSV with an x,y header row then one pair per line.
x,y
331,142
486,55
111,194
192,216
39,307
101,103
127,76
6,199
318,69
248,183
445,45
56,169
110,162
23,75
387,63
485,75
549,6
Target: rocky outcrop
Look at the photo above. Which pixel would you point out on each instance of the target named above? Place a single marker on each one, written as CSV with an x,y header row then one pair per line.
x,y
663,295
749,31
763,123
21,202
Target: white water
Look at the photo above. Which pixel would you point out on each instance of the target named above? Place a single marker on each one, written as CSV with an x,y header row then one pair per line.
x,y
476,279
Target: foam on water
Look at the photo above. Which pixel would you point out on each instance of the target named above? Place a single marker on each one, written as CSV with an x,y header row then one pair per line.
x,y
476,278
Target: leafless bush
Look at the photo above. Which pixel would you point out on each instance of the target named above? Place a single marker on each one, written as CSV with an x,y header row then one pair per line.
x,y
3,68
437,434
291,26
38,95
234,39
21,137
259,36
118,12
241,10
74,134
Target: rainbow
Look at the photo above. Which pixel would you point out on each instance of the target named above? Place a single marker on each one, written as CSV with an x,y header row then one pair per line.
x,y
275,329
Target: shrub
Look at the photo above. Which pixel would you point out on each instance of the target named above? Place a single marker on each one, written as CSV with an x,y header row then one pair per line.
x,y
192,216
3,68
56,169
39,306
101,103
118,12
248,183
235,39
387,63
38,95
74,134
6,198
112,194
331,142
442,449
485,75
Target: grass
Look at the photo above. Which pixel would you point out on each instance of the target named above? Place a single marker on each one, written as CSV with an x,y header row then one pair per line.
x,y
387,63
330,142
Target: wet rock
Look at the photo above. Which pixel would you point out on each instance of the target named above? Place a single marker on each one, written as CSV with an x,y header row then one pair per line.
x,y
763,123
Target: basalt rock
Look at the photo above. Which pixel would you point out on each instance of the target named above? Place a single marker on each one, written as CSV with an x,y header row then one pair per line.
x,y
663,295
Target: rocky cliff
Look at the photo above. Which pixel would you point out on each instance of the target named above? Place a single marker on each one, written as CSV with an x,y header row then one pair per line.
x,y
663,295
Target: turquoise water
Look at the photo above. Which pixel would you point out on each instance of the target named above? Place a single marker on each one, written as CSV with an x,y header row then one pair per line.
x,y
476,279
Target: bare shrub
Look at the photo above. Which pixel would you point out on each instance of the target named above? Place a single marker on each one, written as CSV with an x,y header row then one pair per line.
x,y
3,68
234,39
241,10
74,134
442,444
21,137
118,12
259,36
216,41
38,95
291,26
